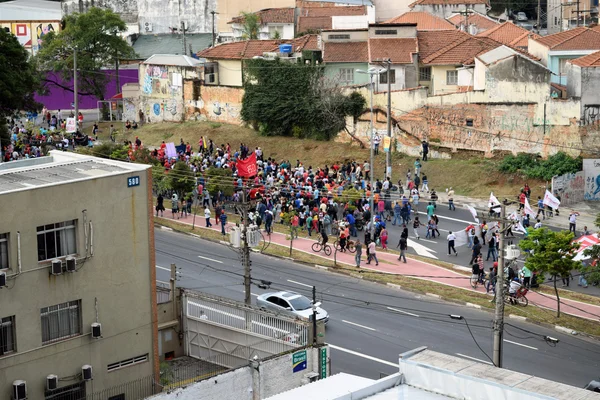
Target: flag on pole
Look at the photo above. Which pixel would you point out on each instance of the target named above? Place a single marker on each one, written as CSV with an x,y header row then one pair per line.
x,y
528,209
473,213
494,204
513,216
550,200
247,168
521,228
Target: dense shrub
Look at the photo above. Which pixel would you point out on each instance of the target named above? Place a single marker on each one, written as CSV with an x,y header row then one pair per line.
x,y
534,167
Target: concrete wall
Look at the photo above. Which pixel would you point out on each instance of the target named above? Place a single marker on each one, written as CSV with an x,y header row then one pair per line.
x,y
591,169
261,379
220,104
446,11
438,76
570,187
387,9
332,71
31,33
573,80
539,50
228,9
590,96
230,72
119,276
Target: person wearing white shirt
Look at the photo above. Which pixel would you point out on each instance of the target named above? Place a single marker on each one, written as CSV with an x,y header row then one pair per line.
x,y
207,216
573,221
451,238
538,224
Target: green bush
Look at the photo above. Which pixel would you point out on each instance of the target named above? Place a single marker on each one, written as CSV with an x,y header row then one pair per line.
x,y
534,167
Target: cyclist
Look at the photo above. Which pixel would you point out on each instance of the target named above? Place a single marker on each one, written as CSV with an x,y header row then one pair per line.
x,y
324,238
513,289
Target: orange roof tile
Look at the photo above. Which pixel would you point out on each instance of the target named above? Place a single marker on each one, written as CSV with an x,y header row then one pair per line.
x,y
334,11
523,40
250,48
346,52
462,51
424,21
591,60
432,41
581,38
482,22
398,50
270,16
447,2
507,33
306,24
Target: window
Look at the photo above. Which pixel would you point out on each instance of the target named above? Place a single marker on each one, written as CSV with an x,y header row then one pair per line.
x,y
386,32
7,335
346,75
383,77
61,321
127,363
338,36
425,73
275,31
4,251
562,66
452,77
71,392
56,240
469,122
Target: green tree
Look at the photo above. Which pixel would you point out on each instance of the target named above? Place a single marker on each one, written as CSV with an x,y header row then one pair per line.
x,y
219,179
95,36
250,26
181,179
550,253
592,269
18,80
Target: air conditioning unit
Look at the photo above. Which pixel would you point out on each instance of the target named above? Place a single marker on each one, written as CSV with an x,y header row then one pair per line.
x,y
96,330
19,390
2,279
71,264
148,27
51,382
56,267
86,372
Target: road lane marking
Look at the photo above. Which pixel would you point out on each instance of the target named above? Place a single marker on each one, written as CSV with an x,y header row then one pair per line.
x,y
403,312
421,249
474,359
163,268
360,326
253,294
520,344
299,283
450,218
211,259
355,353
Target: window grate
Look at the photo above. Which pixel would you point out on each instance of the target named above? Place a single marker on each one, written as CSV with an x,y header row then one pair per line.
x,y
386,32
127,363
4,244
61,321
7,335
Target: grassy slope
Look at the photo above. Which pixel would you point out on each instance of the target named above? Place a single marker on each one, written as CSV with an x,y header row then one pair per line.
x,y
469,176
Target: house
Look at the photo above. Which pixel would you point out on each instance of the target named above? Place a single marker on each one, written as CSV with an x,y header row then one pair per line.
x,y
424,21
162,79
446,8
275,23
225,62
345,52
80,264
510,34
475,22
315,19
583,82
398,44
30,21
443,53
555,50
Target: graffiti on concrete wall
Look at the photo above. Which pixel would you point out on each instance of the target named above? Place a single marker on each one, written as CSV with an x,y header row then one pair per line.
x,y
591,168
591,114
129,110
158,82
156,109
570,187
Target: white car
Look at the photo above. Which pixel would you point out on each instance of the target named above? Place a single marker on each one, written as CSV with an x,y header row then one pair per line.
x,y
521,16
291,302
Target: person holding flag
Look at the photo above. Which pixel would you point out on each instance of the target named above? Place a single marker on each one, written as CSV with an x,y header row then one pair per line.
x,y
552,202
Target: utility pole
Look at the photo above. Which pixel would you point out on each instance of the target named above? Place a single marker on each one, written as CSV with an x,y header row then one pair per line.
x,y
388,155
183,37
314,315
577,15
213,27
75,89
246,249
539,13
371,174
499,313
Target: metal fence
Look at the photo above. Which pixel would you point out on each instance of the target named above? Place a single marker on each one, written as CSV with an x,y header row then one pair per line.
x,y
163,292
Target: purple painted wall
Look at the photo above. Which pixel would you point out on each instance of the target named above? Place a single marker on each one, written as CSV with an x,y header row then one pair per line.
x,y
59,98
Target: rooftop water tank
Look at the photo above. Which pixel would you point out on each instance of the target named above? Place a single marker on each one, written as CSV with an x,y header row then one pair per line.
x,y
285,48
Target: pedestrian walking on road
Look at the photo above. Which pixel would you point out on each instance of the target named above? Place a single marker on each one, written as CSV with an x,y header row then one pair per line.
x,y
174,206
372,253
451,240
492,248
573,221
160,205
358,254
416,225
476,249
402,244
207,216
223,218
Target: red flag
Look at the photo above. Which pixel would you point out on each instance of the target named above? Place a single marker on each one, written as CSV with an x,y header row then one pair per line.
x,y
247,168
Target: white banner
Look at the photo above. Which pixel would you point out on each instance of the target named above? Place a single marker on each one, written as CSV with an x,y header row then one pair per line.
x,y
550,200
528,209
473,213
71,126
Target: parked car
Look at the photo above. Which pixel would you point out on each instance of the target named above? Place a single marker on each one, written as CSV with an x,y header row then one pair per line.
x,y
291,302
594,386
521,16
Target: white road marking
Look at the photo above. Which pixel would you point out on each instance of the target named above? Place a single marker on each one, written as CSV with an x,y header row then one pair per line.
x,y
403,312
450,218
211,259
421,250
355,353
361,326
519,344
166,269
299,283
474,359
255,295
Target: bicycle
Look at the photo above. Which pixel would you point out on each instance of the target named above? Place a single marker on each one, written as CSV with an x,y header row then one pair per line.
x,y
318,246
349,246
519,299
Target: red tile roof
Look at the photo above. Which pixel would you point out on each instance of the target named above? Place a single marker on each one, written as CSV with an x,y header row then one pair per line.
x,y
424,21
432,41
346,52
250,48
508,33
461,52
270,16
306,24
482,22
581,38
334,11
399,50
447,2
591,60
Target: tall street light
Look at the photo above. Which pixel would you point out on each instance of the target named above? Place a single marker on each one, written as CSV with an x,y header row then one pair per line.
x,y
372,72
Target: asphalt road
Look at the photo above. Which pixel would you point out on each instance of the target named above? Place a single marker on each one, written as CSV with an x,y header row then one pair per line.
x,y
371,324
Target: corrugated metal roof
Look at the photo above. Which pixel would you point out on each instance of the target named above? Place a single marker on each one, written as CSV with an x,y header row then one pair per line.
x,y
173,59
30,10
148,45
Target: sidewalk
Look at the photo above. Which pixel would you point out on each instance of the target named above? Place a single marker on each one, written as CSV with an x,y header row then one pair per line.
x,y
421,270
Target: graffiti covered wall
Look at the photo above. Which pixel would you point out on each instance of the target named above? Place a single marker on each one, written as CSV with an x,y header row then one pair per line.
x,y
31,33
220,103
591,168
570,188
